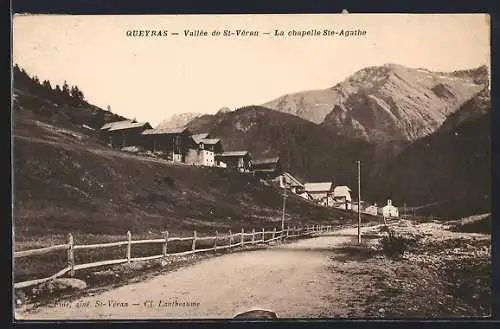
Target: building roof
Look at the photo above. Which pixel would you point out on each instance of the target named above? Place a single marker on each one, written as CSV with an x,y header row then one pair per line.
x,y
318,187
341,190
233,154
210,141
266,161
126,124
111,124
264,170
291,181
199,137
164,131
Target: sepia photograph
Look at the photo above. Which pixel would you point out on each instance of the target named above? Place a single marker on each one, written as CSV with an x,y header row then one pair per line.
x,y
251,166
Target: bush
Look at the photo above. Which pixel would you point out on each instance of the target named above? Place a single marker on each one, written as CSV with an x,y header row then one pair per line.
x,y
393,245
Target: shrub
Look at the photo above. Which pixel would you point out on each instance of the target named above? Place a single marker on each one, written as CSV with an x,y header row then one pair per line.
x,y
393,245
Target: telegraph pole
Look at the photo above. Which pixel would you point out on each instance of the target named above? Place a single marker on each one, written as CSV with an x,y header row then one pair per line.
x,y
284,204
359,201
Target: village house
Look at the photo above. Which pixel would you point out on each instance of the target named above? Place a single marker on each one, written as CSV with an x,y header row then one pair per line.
x,y
354,205
342,197
266,168
371,210
173,142
320,192
234,160
120,134
197,138
203,150
292,183
389,211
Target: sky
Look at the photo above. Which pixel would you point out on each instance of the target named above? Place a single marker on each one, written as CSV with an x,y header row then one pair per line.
x,y
152,78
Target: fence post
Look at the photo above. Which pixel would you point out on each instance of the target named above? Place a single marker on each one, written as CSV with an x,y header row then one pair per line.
x,y
230,238
253,236
263,235
274,233
193,248
287,231
242,237
216,237
165,236
71,255
129,246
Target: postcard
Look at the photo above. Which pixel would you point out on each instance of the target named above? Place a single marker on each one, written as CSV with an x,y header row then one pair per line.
x,y
264,166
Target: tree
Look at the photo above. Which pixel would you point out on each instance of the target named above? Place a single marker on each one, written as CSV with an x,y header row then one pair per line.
x,y
65,88
46,84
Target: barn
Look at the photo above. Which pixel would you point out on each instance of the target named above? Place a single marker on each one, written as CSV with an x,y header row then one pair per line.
x,y
321,192
234,160
267,168
125,133
172,142
342,197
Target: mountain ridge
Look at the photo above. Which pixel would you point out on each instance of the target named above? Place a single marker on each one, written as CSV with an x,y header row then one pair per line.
x,y
388,102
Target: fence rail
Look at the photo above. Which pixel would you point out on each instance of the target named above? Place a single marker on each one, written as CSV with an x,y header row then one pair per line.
x,y
258,236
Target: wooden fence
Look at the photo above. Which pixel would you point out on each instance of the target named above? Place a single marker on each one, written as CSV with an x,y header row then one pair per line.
x,y
256,238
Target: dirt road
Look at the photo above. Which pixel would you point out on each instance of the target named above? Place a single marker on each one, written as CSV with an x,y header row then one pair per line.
x,y
295,280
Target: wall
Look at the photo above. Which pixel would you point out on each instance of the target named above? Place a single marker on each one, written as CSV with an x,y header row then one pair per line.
x,y
200,158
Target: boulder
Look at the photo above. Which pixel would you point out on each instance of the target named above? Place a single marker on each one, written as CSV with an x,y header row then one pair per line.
x,y
63,284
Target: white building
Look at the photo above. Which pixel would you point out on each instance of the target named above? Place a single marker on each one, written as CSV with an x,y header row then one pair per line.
x,y
371,210
204,152
342,197
354,205
320,192
389,210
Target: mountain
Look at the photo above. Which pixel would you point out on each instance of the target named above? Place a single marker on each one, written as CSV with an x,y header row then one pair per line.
x,y
386,103
474,108
310,151
178,120
449,170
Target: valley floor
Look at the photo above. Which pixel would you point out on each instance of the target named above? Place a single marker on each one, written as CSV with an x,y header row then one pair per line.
x,y
442,274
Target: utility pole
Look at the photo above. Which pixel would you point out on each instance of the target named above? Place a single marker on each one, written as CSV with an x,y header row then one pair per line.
x,y
359,201
284,204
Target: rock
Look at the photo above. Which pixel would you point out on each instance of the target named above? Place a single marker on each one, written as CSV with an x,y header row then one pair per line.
x,y
62,284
